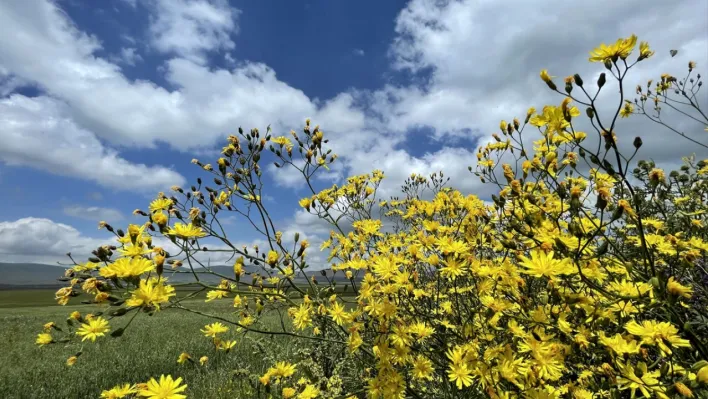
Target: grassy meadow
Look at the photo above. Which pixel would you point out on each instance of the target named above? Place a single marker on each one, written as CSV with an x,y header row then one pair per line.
x,y
148,348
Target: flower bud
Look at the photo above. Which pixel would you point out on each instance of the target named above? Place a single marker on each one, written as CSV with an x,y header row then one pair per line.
x,y
637,142
578,80
601,80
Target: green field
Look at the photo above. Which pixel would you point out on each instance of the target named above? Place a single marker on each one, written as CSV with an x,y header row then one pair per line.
x,y
149,348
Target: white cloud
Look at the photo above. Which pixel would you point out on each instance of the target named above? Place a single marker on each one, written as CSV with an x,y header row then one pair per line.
x,y
192,28
129,56
37,133
359,52
480,74
44,241
206,100
94,213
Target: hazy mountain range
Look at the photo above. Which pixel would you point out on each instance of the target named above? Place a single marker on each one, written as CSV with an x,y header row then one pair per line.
x,y
34,275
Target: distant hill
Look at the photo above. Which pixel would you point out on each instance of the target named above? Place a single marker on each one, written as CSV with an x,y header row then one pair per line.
x,y
26,275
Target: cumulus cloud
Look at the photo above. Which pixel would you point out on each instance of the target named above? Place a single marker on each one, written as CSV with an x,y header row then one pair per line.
x,y
468,75
478,74
191,28
40,240
129,56
202,99
37,133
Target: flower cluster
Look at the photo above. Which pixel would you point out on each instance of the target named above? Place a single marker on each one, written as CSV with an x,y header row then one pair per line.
x,y
584,276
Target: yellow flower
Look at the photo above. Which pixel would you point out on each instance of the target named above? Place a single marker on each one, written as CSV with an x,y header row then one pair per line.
x,y
453,268
226,345
626,110
289,392
94,328
152,292
655,333
44,339
543,264
119,391
166,388
545,77
203,360
210,330
216,294
63,294
186,231
183,357
310,392
621,49
422,368
272,258
676,288
127,267
702,375
338,313
644,51
460,375
283,369
71,361
160,204
283,141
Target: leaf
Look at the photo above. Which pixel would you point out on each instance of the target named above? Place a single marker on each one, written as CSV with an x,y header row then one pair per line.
x,y
673,52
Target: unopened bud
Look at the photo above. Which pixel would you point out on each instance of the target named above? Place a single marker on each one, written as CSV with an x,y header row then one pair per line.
x,y
637,142
578,80
601,80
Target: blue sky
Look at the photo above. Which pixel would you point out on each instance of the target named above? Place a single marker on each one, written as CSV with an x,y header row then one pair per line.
x,y
103,104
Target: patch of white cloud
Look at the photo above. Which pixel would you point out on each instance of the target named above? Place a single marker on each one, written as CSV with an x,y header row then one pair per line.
x,y
129,56
192,28
38,133
94,213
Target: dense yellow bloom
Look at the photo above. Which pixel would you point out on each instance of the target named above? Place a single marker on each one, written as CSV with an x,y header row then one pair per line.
x,y
630,380
657,333
338,313
216,294
151,292
620,345
186,231
165,388
127,267
44,339
283,141
676,288
226,345
620,49
93,328
160,204
422,368
272,258
210,330
543,263
460,374
310,392
119,391
545,76
183,358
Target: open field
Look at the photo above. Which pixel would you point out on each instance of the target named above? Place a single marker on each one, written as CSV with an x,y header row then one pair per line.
x,y
149,348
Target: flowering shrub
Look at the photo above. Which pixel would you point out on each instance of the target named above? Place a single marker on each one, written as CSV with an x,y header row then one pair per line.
x,y
585,277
